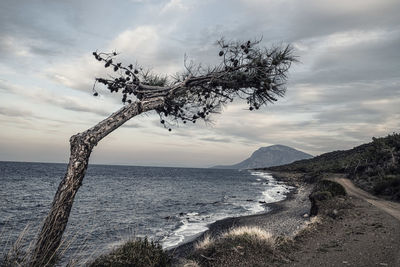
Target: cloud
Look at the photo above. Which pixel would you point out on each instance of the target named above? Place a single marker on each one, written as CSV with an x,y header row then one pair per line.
x,y
13,112
356,57
78,74
31,25
143,45
175,6
88,104
132,125
218,140
345,90
314,18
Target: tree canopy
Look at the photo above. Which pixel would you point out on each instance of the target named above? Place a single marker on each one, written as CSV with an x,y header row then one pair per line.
x,y
246,71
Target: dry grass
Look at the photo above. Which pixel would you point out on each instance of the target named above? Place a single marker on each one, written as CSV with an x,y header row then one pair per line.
x,y
253,232
191,263
311,224
20,252
205,243
249,245
308,227
315,220
17,255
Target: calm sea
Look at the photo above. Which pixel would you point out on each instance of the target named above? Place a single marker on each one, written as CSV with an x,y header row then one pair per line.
x,y
115,203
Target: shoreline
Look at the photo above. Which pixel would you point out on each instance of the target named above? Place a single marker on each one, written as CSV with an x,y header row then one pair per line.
x,y
284,217
347,231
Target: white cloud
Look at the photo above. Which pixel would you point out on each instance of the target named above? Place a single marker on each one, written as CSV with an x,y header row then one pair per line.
x,y
88,104
78,73
141,42
13,46
145,45
175,6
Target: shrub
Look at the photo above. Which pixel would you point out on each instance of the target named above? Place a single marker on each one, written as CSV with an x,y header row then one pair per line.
x,y
334,188
312,177
390,186
138,253
322,195
324,190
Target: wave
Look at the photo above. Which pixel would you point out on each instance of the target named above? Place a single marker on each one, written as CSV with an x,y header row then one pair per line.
x,y
194,224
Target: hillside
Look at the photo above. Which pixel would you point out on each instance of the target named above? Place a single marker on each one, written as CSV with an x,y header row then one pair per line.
x,y
269,156
373,166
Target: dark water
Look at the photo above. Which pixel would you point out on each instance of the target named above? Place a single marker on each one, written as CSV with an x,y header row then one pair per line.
x,y
170,205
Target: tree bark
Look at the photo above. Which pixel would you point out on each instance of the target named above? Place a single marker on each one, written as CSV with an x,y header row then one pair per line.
x,y
82,145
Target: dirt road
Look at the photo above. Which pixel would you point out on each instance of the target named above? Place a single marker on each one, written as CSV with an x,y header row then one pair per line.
x,y
389,207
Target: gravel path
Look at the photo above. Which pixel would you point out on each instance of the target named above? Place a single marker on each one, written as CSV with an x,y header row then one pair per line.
x,y
390,207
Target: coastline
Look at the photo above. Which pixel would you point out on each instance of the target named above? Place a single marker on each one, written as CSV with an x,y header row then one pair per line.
x,y
348,231
285,217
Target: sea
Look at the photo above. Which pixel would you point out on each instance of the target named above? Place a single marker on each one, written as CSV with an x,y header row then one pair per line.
x,y
119,203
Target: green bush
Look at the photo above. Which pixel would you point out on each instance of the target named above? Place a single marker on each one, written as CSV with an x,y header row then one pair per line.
x,y
389,186
322,195
324,190
312,177
138,253
334,188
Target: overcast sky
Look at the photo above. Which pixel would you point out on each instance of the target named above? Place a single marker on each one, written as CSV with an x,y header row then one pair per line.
x,y
345,90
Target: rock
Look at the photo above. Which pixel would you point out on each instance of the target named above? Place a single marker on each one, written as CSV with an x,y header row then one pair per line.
x,y
262,202
306,215
181,214
333,214
249,200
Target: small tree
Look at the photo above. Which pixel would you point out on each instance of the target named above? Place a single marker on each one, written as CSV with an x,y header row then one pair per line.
x,y
246,71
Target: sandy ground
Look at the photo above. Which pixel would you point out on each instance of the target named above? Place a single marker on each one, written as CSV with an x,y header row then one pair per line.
x,y
359,235
364,232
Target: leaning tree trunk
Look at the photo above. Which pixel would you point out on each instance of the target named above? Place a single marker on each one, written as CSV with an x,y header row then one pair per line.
x,y
82,144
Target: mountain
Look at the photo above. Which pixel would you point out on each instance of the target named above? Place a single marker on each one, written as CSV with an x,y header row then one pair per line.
x,y
268,156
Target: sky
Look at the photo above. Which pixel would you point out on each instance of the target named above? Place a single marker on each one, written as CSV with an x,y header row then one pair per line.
x,y
344,90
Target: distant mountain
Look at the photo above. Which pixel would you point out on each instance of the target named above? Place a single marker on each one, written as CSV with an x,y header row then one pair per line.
x,y
269,156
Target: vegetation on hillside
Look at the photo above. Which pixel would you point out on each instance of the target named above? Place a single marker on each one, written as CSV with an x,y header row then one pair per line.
x,y
373,166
